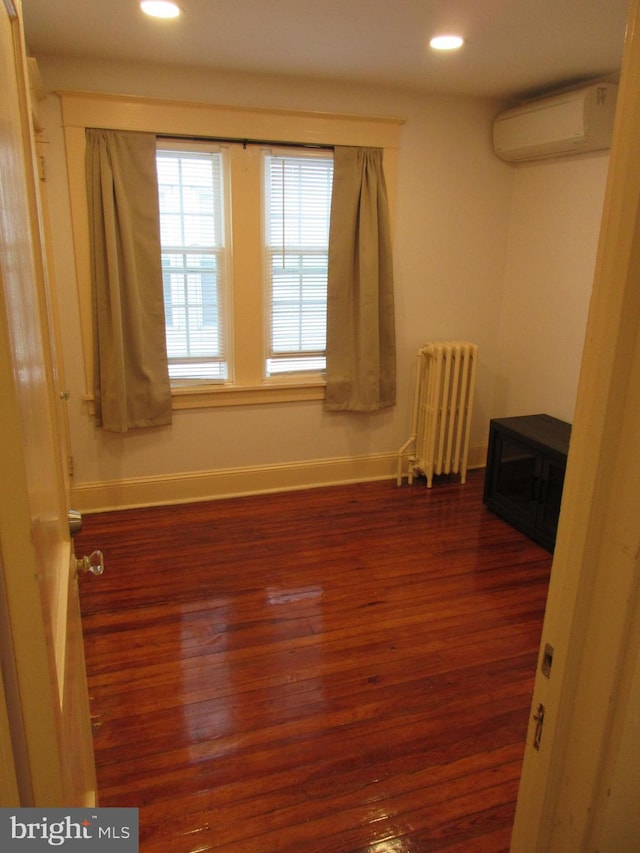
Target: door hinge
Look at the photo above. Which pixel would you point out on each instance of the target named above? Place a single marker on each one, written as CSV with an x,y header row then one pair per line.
x,y
70,466
539,721
42,168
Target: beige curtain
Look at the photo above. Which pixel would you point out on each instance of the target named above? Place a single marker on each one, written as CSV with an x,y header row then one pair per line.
x,y
131,379
361,361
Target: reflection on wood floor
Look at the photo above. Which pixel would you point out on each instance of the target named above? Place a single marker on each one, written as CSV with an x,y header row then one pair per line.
x,y
340,670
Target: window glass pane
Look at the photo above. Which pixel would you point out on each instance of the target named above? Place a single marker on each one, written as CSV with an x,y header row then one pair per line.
x,y
297,213
192,229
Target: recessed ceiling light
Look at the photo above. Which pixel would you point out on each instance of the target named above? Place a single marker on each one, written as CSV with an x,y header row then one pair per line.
x,y
446,42
160,8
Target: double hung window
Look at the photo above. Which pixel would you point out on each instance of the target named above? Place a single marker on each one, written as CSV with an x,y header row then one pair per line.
x,y
297,193
195,261
205,322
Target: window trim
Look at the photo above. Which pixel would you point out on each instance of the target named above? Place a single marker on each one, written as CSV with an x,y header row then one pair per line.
x,y
204,121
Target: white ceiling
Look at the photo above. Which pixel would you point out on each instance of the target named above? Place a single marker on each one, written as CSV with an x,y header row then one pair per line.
x,y
514,48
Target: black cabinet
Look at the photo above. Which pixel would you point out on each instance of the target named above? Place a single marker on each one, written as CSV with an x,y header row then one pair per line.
x,y
526,462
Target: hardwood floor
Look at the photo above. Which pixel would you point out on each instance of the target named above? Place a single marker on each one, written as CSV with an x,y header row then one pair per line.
x,y
342,670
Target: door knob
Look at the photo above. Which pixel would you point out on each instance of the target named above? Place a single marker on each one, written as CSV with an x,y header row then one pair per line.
x,y
94,563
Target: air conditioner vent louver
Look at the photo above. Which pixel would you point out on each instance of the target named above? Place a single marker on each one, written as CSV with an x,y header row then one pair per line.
x,y
572,122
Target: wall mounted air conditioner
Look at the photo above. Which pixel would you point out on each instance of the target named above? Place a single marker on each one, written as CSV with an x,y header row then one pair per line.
x,y
572,122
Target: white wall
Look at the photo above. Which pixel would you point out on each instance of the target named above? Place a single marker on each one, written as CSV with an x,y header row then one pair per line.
x,y
455,238
553,238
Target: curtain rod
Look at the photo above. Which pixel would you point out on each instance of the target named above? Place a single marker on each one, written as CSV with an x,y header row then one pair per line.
x,y
276,143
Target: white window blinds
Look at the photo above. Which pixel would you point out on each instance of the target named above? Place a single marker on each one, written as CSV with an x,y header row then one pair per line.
x,y
297,191
191,188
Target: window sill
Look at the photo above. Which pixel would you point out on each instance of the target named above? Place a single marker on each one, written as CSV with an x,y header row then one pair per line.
x,y
209,396
214,396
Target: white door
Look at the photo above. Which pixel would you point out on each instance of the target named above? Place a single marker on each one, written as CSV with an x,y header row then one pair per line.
x,y
580,787
45,730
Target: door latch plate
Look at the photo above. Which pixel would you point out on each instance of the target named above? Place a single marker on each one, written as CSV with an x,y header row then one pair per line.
x,y
539,720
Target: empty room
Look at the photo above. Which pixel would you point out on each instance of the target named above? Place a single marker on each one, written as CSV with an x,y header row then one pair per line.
x,y
319,508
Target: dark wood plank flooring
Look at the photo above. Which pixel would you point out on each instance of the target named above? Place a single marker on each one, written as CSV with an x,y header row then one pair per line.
x,y
341,670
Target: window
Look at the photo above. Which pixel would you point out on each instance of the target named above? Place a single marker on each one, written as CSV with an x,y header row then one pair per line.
x,y
297,191
295,203
194,262
237,289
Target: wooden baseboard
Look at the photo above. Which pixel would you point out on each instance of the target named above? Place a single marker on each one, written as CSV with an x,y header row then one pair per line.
x,y
235,482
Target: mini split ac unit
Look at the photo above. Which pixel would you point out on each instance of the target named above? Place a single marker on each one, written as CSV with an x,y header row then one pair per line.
x,y
569,123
